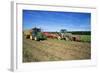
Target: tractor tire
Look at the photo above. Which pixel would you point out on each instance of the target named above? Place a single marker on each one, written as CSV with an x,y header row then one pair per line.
x,y
59,38
31,37
27,36
66,38
35,38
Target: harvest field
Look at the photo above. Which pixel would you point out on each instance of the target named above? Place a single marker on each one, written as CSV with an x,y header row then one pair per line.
x,y
56,35
56,50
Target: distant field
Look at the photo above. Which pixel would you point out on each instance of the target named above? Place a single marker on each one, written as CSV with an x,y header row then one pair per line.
x,y
86,38
56,50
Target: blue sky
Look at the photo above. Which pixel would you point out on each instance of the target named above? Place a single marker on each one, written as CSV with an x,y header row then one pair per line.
x,y
55,21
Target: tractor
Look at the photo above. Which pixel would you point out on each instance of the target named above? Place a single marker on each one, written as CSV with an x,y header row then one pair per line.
x,y
35,34
64,35
69,36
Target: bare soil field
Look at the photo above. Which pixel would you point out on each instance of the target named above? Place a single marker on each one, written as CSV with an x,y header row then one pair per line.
x,y
55,50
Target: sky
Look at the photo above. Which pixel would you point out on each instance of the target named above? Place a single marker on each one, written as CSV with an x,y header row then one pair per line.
x,y
52,21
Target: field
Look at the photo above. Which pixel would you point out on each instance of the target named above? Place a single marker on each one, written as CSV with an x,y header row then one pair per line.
x,y
56,50
86,38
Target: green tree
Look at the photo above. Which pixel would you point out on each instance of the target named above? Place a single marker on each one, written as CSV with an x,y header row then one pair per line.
x,y
63,30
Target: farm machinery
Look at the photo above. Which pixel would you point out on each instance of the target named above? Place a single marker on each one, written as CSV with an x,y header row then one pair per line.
x,y
69,36
64,35
51,35
35,34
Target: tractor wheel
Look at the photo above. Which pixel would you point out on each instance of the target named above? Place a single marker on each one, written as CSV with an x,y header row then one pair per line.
x,y
66,38
27,36
35,38
31,37
59,38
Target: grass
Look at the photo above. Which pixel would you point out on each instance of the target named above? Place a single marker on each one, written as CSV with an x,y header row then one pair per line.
x,y
55,50
86,38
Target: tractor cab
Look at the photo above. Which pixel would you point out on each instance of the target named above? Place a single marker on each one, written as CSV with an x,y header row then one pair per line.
x,y
35,31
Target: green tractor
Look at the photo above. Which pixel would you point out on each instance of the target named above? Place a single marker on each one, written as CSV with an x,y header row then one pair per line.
x,y
36,34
